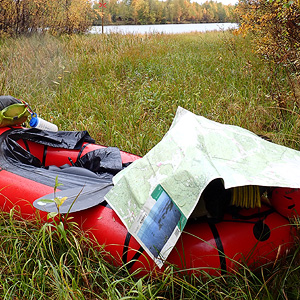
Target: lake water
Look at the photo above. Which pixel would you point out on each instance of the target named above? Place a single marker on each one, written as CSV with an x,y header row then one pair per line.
x,y
164,28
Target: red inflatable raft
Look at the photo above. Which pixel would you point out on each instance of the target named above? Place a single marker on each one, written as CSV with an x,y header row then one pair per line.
x,y
252,236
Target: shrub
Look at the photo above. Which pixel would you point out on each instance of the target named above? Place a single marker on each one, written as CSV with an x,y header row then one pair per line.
x,y
28,16
275,25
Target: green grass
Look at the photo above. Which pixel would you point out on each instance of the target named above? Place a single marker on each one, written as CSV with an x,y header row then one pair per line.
x,y
39,262
125,89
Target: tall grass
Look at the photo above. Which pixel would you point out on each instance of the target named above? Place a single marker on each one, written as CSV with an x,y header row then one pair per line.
x,y
125,89
41,262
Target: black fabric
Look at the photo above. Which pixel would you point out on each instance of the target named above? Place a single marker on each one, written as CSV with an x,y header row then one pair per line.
x,y
125,248
220,247
73,170
261,231
216,198
82,187
44,155
17,153
81,151
26,145
136,256
61,139
6,101
15,159
102,160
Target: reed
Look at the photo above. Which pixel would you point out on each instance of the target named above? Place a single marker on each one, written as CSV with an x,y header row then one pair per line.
x,y
125,89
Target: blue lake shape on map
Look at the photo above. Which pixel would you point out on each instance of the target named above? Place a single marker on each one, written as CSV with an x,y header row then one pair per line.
x,y
159,224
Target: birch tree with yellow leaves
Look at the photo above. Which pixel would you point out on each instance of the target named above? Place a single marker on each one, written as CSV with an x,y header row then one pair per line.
x,y
275,25
55,16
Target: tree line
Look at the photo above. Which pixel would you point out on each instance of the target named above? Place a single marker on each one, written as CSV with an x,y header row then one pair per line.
x,y
76,16
163,12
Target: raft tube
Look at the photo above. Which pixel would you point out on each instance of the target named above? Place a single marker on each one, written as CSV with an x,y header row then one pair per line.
x,y
250,236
